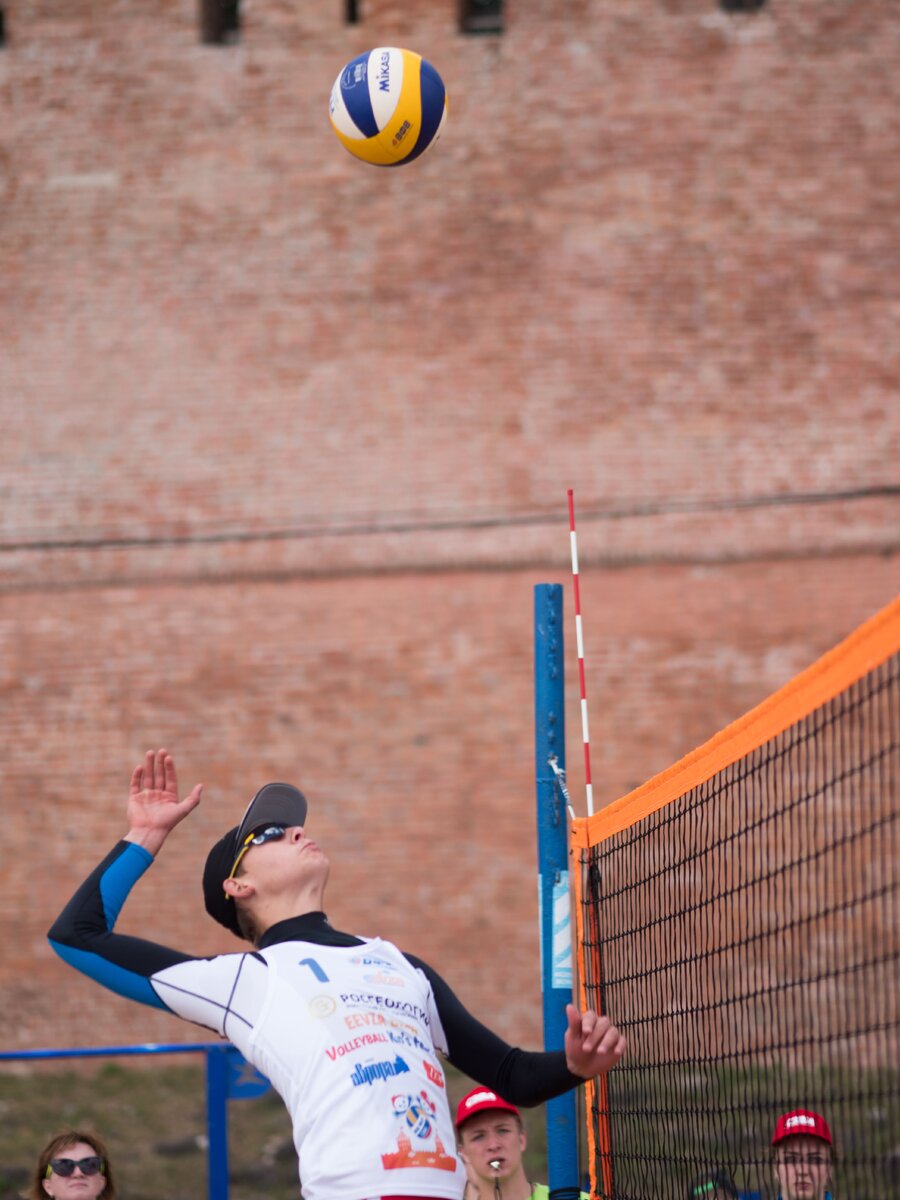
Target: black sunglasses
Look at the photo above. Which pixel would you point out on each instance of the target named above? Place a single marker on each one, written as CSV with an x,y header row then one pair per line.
x,y
92,1165
271,833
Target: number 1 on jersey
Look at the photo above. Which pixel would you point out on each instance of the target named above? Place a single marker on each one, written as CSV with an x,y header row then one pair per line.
x,y
315,968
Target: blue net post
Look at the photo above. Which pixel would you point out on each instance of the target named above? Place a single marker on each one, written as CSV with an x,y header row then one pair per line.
x,y
553,873
217,1121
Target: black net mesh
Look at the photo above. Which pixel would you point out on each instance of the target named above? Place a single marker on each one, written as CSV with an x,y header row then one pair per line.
x,y
745,937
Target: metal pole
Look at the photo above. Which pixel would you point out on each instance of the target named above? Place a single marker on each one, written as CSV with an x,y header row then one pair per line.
x,y
553,874
217,1121
112,1051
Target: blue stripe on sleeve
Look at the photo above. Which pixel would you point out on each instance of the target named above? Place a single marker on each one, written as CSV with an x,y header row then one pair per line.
x,y
125,983
118,880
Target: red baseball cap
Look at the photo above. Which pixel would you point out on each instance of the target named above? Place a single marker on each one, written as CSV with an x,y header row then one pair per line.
x,y
479,1100
801,1121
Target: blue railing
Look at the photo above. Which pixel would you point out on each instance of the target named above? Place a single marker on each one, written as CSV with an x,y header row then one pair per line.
x,y
228,1077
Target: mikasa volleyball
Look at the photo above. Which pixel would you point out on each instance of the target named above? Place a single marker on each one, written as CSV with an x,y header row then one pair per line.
x,y
388,106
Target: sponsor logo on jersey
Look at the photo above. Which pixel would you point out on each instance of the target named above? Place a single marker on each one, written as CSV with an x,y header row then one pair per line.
x,y
359,1020
416,1112
433,1073
409,1039
434,1158
357,1043
322,1006
372,960
382,979
369,1072
372,1000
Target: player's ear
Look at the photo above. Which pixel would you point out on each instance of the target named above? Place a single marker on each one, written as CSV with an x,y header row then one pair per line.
x,y
238,888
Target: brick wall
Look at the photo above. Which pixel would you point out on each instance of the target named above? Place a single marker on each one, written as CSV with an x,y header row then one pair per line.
x,y
286,438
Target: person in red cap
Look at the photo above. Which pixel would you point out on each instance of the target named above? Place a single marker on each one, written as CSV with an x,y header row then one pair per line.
x,y
491,1140
802,1156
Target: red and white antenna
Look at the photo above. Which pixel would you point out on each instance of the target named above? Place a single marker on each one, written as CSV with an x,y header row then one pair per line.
x,y
580,639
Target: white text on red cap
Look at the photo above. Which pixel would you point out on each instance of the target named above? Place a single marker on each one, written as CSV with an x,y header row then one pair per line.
x,y
800,1119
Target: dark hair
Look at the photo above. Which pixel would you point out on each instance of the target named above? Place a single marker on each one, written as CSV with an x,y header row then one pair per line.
x,y
245,923
62,1141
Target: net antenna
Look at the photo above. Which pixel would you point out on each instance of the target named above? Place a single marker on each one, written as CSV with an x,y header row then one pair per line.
x,y
589,790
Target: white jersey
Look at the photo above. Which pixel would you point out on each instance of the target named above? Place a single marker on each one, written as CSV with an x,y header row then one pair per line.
x,y
348,1036
347,1029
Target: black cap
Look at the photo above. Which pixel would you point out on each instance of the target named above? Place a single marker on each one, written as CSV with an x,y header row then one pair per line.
x,y
273,804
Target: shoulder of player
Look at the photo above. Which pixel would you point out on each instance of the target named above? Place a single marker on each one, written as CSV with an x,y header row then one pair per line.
x,y
216,965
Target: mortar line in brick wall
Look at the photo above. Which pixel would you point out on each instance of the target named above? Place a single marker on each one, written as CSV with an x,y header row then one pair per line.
x,y
382,528
543,564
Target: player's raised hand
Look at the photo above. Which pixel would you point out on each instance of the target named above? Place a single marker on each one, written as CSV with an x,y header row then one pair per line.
x,y
154,808
593,1045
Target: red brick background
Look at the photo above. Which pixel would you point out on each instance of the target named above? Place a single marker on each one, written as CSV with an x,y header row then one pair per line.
x,y
286,438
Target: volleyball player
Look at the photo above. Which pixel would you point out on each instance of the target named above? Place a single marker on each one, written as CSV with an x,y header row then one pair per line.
x,y
347,1029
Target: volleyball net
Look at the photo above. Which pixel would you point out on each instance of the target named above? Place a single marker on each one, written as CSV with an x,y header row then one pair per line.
x,y
737,917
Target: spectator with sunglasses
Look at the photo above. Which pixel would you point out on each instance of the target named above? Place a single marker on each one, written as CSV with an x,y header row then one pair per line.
x,y
347,1029
73,1163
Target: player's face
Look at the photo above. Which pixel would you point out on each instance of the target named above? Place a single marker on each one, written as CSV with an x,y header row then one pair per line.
x,y
493,1137
803,1168
85,1187
286,862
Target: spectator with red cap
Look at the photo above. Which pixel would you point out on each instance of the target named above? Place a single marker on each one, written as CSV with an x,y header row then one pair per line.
x,y
491,1140
802,1155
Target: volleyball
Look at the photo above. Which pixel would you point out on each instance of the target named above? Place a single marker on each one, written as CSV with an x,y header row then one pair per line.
x,y
388,106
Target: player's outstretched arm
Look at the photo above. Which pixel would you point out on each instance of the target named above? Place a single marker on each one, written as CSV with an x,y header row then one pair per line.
x,y
524,1077
592,1043
202,990
82,935
153,808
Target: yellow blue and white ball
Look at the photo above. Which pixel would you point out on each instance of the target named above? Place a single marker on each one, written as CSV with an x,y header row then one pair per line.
x,y
388,106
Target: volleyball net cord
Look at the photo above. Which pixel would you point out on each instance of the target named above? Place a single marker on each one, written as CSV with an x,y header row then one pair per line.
x,y
737,917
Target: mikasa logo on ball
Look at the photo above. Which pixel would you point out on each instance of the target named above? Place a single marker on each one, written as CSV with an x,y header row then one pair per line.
x,y
384,75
